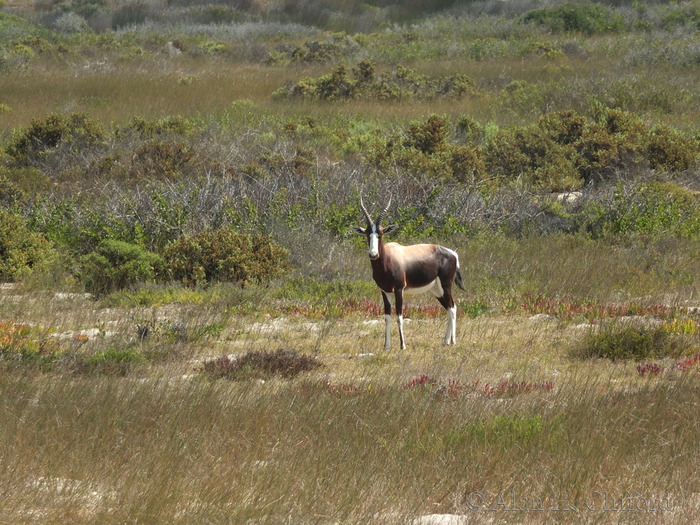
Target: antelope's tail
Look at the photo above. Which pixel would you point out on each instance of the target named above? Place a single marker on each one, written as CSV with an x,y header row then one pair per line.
x,y
458,279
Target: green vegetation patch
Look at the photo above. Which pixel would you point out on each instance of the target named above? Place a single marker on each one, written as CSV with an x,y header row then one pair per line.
x,y
363,82
75,131
112,362
655,208
116,265
22,343
222,255
12,26
21,250
582,17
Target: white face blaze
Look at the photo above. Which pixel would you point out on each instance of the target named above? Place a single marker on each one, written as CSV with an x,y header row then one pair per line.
x,y
374,243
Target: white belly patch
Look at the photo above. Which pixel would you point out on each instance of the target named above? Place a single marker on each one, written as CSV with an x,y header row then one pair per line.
x,y
434,287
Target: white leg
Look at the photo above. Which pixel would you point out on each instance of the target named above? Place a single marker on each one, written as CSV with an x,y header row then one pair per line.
x,y
387,333
403,342
451,333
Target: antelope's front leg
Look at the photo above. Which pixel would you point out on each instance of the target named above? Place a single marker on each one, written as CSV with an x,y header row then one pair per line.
x,y
448,303
387,319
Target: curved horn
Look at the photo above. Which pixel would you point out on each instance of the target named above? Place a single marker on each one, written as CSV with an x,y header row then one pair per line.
x,y
364,210
379,218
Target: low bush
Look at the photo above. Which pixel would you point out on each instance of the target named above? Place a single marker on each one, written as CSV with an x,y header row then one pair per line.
x,y
670,150
362,82
583,17
28,345
428,137
21,251
630,340
222,255
533,153
311,288
129,14
161,158
654,208
564,150
260,365
170,125
427,147
312,51
116,265
76,131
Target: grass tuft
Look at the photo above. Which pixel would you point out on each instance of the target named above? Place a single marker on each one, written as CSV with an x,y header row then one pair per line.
x,y
111,362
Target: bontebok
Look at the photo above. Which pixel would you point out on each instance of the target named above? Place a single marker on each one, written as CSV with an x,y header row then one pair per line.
x,y
410,269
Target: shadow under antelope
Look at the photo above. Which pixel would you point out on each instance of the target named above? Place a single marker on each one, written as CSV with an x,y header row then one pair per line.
x,y
411,269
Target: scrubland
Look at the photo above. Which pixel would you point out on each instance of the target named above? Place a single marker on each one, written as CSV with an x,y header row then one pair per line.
x,y
189,333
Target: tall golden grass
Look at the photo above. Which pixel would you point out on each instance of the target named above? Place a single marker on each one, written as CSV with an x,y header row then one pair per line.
x,y
506,426
115,451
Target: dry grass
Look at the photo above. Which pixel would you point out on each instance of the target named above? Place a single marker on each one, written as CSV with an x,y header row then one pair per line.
x,y
205,87
356,441
296,452
149,90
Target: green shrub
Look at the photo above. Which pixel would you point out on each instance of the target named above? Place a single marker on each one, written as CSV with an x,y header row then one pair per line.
x,y
311,288
564,149
626,340
315,51
11,196
21,251
563,127
87,8
681,14
362,82
77,131
470,130
428,137
426,148
260,365
112,362
158,158
670,150
218,14
534,153
619,139
129,14
170,125
583,17
222,255
17,183
467,163
116,265
655,208
600,153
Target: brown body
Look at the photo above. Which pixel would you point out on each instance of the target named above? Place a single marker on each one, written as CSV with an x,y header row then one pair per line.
x,y
416,266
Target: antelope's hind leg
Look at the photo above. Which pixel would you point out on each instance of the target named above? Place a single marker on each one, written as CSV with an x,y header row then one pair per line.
x,y
448,304
451,334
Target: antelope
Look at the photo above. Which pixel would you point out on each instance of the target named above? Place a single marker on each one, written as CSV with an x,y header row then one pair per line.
x,y
412,269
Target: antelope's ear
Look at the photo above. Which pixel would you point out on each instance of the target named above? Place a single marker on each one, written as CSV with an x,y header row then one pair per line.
x,y
390,228
359,230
